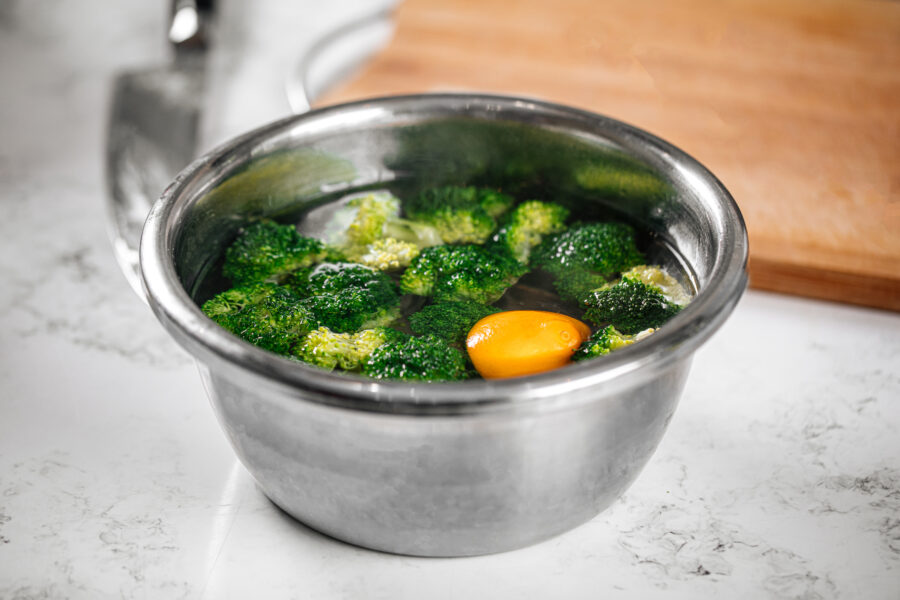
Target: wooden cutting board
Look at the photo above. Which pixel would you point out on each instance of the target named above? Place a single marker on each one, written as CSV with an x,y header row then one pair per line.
x,y
794,104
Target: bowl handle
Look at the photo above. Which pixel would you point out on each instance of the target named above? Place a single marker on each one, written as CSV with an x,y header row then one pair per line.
x,y
329,59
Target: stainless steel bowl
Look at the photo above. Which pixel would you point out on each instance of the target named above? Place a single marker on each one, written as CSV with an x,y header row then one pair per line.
x,y
458,468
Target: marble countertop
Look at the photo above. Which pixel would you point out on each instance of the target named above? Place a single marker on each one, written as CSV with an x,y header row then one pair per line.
x,y
779,476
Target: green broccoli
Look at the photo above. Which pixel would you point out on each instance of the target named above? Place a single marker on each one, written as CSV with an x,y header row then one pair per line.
x,y
462,215
385,255
372,213
578,283
427,358
327,349
584,257
236,299
450,321
630,305
368,230
270,316
461,273
528,223
494,202
604,248
602,342
667,285
267,252
347,297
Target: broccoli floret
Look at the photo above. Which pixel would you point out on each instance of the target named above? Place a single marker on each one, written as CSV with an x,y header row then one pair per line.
x,y
385,255
347,297
333,277
267,251
584,257
667,285
462,215
461,273
328,349
494,203
270,316
450,321
630,305
420,277
605,248
372,212
427,358
528,224
369,230
236,299
602,342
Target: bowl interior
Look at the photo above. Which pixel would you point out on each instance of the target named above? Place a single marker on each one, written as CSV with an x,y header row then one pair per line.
x,y
599,167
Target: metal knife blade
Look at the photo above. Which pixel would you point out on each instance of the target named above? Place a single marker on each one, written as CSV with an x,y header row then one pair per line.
x,y
153,130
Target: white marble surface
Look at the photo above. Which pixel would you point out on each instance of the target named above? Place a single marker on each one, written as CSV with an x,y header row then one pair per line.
x,y
779,476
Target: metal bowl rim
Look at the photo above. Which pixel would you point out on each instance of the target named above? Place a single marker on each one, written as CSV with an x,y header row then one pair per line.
x,y
200,335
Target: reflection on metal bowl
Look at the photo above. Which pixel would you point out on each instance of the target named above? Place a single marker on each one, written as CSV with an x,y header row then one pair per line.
x,y
447,469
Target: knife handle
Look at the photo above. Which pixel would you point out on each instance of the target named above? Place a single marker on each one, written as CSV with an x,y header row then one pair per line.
x,y
189,24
